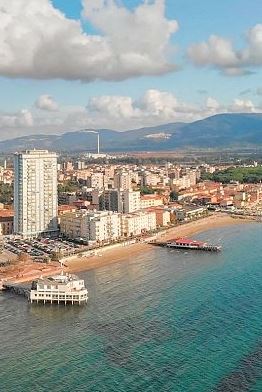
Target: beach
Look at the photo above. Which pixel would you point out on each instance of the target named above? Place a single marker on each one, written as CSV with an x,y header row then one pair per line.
x,y
111,256
108,255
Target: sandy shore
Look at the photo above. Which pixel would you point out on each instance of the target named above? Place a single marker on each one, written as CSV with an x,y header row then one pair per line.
x,y
110,256
122,253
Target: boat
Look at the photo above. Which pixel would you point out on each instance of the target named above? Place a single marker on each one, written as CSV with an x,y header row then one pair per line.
x,y
187,243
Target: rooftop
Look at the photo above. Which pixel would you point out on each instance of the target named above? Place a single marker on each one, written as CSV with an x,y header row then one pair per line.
x,y
58,279
151,197
6,213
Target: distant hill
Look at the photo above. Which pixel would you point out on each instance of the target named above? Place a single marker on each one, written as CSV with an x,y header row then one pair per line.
x,y
222,130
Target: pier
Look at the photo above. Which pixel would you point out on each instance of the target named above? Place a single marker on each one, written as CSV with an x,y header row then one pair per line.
x,y
59,289
188,244
16,288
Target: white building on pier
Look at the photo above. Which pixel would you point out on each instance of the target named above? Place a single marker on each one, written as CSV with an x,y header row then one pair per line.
x,y
66,289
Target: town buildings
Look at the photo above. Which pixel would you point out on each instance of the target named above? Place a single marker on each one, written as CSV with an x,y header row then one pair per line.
x,y
35,193
118,200
93,196
122,180
131,201
98,226
106,226
6,222
147,201
110,200
137,223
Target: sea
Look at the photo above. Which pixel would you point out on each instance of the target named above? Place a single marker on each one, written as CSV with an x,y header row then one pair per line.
x,y
164,320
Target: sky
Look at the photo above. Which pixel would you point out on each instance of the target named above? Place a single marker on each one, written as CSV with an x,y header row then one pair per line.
x,y
122,64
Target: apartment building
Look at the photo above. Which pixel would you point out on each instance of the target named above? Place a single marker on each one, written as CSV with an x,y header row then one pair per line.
x,y
182,183
122,180
98,226
35,193
163,217
138,223
118,200
97,180
111,200
149,179
147,201
131,201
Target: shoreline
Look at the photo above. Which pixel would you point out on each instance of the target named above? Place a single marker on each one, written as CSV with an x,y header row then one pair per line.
x,y
119,254
107,256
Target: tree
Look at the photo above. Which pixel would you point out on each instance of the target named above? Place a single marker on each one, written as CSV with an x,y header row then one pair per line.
x,y
250,175
68,186
146,190
174,196
6,193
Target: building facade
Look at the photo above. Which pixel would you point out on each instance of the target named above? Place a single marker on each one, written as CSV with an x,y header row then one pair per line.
x,y
138,223
35,193
6,222
111,200
122,180
147,201
59,289
124,201
98,226
131,201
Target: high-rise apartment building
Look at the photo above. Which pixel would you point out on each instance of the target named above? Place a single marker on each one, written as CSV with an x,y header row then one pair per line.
x,y
131,201
35,193
111,200
97,180
124,201
122,180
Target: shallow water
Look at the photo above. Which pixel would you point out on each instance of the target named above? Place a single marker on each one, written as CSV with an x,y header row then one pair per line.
x,y
165,320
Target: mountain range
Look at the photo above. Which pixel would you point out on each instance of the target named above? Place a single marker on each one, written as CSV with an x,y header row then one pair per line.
x,y
219,131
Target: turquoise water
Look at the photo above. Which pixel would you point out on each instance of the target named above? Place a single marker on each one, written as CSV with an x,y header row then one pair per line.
x,y
165,320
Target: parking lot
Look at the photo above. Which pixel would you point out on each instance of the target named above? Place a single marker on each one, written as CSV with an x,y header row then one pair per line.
x,y
41,249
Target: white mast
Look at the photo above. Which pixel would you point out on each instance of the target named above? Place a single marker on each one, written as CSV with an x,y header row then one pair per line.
x,y
98,143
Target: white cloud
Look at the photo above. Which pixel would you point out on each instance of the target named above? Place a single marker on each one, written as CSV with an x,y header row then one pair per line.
x,y
219,52
38,41
243,106
114,106
252,54
216,50
21,119
117,112
154,107
212,104
159,103
46,102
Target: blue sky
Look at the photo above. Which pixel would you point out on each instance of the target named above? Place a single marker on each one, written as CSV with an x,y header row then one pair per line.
x,y
189,87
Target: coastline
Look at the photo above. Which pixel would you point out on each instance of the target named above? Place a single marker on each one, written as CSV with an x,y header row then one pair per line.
x,y
107,256
119,254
